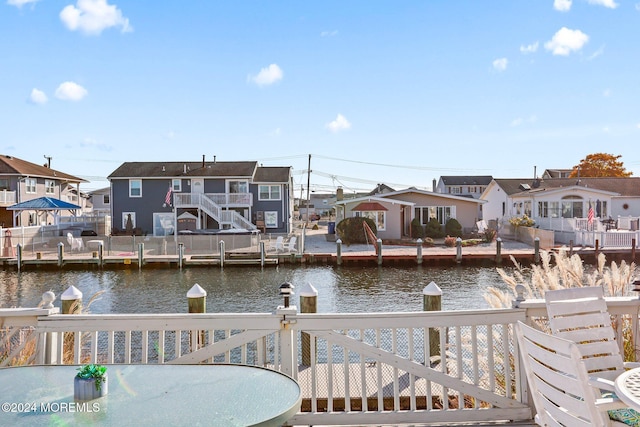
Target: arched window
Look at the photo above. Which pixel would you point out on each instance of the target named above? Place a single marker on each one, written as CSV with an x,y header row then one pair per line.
x,y
572,207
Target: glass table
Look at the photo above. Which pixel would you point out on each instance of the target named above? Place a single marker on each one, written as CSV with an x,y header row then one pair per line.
x,y
193,395
627,386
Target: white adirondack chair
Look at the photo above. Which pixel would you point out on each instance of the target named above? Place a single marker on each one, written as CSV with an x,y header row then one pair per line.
x,y
291,244
76,243
279,244
580,315
559,384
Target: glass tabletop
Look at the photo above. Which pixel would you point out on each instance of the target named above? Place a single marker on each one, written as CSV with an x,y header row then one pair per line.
x,y
194,395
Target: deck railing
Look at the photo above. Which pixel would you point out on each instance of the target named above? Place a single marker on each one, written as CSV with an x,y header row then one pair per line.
x,y
356,368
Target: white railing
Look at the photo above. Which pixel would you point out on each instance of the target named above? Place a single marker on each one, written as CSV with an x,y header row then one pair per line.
x,y
231,199
211,204
7,197
358,368
608,239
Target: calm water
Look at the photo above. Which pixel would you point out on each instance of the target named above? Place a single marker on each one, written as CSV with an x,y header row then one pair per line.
x,y
340,289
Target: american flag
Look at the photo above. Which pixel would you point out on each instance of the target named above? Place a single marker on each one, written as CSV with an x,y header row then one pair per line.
x,y
167,198
590,215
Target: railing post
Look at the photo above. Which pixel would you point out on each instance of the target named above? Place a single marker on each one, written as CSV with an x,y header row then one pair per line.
x,y
47,340
71,304
432,301
379,246
221,253
419,251
308,304
339,252
499,250
140,255
60,254
519,296
197,302
459,250
180,254
288,346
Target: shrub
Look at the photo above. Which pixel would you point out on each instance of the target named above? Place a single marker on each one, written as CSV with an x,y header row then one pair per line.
x,y
450,241
350,230
489,235
453,228
523,221
417,230
433,229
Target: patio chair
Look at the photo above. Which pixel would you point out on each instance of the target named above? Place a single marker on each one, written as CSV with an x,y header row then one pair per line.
x,y
76,243
558,382
581,315
279,247
291,244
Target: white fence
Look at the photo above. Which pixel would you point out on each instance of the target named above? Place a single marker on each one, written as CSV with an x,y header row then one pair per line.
x,y
374,368
608,239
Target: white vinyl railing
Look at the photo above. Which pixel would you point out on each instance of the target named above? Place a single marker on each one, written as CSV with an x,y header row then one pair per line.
x,y
353,368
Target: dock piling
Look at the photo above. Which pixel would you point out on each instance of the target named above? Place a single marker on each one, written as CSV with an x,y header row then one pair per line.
x,y
536,246
60,254
140,255
19,255
459,250
339,252
221,253
419,251
499,250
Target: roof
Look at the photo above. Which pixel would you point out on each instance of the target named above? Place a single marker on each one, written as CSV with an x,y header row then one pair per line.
x,y
467,180
186,169
380,199
369,207
10,165
43,204
627,186
466,198
280,174
380,189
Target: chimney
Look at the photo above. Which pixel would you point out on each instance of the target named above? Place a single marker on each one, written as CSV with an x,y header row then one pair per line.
x,y
184,169
214,158
535,173
339,194
433,185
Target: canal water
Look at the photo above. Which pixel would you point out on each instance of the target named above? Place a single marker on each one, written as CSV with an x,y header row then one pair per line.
x,y
255,290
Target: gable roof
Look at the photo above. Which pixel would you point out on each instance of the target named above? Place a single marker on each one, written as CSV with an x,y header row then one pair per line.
x,y
461,197
187,169
10,165
628,186
466,180
380,189
369,207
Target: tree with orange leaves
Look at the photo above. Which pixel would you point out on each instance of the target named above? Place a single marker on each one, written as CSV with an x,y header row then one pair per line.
x,y
600,165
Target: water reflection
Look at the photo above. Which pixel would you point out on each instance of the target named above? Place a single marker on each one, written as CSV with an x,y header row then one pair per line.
x,y
241,289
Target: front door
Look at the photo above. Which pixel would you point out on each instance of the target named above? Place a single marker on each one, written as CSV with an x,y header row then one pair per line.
x,y
197,185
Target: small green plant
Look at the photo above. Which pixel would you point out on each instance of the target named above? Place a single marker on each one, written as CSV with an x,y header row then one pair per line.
x,y
352,231
450,241
417,230
489,235
98,372
434,229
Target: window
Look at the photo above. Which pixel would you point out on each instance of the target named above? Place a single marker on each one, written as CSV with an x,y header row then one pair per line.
x,y
176,185
163,224
572,207
379,217
271,219
135,188
105,199
549,209
49,186
238,186
4,184
441,213
269,192
33,219
128,220
30,185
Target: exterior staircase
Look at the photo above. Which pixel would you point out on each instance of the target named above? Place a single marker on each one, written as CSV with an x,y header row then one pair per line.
x,y
207,204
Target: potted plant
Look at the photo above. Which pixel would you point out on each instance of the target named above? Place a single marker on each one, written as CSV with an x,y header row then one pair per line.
x,y
90,382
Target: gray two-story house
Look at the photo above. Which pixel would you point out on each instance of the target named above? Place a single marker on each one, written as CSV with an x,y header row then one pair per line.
x,y
160,198
22,181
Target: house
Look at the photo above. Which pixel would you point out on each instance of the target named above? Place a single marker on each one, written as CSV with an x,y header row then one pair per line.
x,y
463,185
22,181
101,201
393,212
562,204
556,173
148,197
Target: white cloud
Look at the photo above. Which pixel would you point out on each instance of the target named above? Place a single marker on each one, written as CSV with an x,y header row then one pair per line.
x,y
20,3
93,16
340,123
565,41
329,33
500,64
70,91
38,97
267,76
562,5
595,54
533,47
611,4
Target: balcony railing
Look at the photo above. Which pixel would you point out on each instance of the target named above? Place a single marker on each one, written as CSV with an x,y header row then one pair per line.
x,y
7,197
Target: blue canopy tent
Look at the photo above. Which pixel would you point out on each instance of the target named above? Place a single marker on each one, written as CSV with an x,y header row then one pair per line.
x,y
48,205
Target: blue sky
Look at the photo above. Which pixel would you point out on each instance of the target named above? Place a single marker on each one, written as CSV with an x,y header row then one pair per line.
x,y
395,92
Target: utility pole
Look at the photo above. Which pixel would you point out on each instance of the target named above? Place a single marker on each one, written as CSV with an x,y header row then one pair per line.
x,y
308,183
